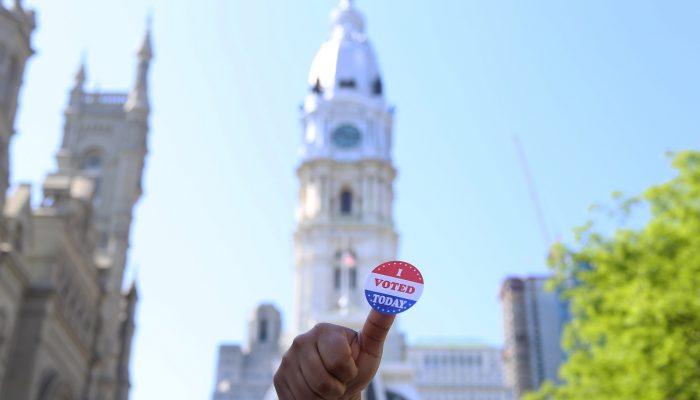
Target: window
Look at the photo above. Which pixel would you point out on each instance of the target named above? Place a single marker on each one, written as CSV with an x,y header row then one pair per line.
x,y
93,162
11,79
377,87
92,165
316,88
345,261
262,333
103,241
347,83
336,277
346,202
353,277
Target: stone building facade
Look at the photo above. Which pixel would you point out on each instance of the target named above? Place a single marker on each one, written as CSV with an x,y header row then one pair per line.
x,y
16,27
458,369
66,321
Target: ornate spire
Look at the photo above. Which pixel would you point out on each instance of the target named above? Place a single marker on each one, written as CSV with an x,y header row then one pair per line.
x,y
138,98
80,76
78,90
146,51
25,17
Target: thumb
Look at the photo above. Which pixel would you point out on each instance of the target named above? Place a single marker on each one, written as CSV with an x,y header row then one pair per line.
x,y
373,333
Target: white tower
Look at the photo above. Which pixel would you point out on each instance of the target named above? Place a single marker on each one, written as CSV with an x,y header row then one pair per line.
x,y
346,194
345,223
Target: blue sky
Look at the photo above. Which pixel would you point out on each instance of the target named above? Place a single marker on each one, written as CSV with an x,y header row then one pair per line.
x,y
597,91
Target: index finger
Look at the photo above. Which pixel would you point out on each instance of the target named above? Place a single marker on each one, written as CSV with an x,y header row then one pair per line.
x,y
374,332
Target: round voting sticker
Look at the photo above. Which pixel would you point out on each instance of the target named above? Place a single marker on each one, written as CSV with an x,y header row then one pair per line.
x,y
393,287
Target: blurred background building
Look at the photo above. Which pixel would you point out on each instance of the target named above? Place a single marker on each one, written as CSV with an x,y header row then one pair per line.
x,y
246,373
533,321
458,369
66,321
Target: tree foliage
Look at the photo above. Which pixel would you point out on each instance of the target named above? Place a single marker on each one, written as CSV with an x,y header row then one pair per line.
x,y
635,332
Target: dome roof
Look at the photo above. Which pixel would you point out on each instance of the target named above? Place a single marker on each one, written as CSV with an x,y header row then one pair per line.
x,y
346,62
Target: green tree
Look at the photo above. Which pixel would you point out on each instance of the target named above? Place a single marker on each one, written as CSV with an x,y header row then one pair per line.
x,y
635,333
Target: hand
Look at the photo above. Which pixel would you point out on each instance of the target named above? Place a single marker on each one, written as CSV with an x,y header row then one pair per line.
x,y
331,362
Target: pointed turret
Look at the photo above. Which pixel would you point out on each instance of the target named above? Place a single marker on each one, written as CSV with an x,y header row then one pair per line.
x,y
25,17
17,6
80,76
78,90
138,97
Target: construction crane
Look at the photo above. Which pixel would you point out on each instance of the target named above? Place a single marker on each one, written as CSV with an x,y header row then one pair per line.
x,y
534,197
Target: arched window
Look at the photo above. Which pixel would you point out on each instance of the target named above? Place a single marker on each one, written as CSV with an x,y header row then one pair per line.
x,y
346,202
92,165
92,162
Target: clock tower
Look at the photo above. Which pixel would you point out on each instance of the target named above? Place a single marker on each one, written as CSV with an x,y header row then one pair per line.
x,y
345,225
346,178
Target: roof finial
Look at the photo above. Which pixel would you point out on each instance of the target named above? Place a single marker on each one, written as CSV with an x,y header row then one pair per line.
x,y
348,17
149,19
138,97
81,75
78,90
146,51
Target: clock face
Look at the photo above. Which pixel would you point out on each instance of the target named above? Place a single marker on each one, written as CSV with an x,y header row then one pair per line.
x,y
347,137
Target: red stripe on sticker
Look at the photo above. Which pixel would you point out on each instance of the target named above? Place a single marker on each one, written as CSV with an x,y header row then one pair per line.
x,y
400,269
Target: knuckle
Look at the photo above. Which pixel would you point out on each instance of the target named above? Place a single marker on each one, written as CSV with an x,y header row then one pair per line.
x,y
277,380
298,342
343,368
326,388
320,327
338,364
285,363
